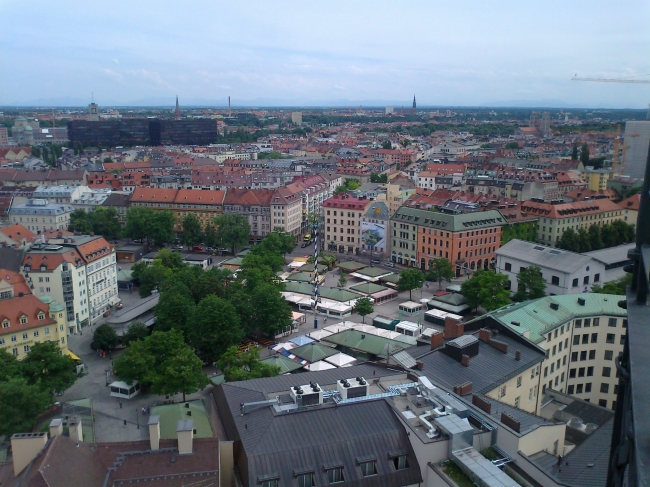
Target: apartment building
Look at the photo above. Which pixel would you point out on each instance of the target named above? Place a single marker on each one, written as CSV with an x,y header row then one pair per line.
x,y
27,320
582,335
597,178
555,219
313,190
375,225
342,222
39,215
206,205
255,206
287,209
78,271
468,240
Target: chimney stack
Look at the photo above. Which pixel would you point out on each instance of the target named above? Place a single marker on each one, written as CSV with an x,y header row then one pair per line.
x,y
463,389
56,427
465,360
517,354
437,339
185,430
482,403
154,432
75,429
484,335
25,448
419,364
453,328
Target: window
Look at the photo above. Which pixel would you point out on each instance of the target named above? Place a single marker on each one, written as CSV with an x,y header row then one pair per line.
x,y
569,390
588,387
607,371
612,322
609,354
576,339
555,280
578,323
519,381
335,475
579,388
596,321
596,277
502,391
590,371
270,483
368,468
585,338
592,354
517,401
572,374
576,282
35,333
604,388
574,356
545,371
594,338
587,322
611,338
583,355
581,372
26,348
602,403
400,462
24,336
508,266
23,320
554,349
47,331
305,479
552,368
585,280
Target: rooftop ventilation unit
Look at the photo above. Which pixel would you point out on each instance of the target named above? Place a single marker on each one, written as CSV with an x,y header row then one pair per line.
x,y
307,395
555,306
351,388
581,301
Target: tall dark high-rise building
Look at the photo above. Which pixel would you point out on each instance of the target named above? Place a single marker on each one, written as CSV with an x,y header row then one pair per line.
x,y
103,133
414,104
183,132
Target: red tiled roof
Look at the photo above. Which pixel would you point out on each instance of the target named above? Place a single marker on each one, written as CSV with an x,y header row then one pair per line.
x,y
29,306
18,232
631,203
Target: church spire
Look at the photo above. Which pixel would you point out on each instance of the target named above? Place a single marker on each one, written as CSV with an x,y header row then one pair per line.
x,y
177,112
414,105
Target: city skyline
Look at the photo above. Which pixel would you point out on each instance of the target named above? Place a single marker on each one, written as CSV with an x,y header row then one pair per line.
x,y
468,54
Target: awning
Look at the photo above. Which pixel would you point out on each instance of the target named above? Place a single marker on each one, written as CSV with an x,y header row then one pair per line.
x,y
73,356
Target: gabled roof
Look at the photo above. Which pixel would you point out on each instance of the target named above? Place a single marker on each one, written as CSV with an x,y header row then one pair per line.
x,y
18,232
30,306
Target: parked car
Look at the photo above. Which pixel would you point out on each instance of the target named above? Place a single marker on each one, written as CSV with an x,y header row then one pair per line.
x,y
198,248
374,261
178,247
389,264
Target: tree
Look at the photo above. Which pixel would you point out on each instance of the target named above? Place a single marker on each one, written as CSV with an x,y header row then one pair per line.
x,y
569,241
609,235
342,279
323,259
625,232
531,284
192,232
232,231
410,279
614,287
584,154
440,269
44,367
20,405
9,366
270,313
386,144
134,363
36,151
181,371
584,242
276,242
135,331
595,241
210,235
512,145
104,338
378,178
147,223
574,152
487,289
363,307
215,327
149,277
245,365
175,308
80,222
105,221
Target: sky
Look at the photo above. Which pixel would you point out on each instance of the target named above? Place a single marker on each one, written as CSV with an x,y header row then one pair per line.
x,y
343,53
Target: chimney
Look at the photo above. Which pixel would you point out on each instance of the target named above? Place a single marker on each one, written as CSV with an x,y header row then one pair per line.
x,y
484,335
482,403
465,360
75,429
464,388
226,464
510,422
419,364
56,427
437,339
517,354
25,448
154,432
185,430
453,328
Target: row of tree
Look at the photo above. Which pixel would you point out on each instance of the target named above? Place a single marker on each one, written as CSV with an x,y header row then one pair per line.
x,y
27,387
102,221
597,237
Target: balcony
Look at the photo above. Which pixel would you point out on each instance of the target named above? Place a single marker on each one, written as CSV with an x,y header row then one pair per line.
x,y
630,446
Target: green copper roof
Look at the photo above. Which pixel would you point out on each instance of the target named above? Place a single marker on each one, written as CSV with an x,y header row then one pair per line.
x,y
286,364
313,352
340,295
365,342
537,316
449,222
368,288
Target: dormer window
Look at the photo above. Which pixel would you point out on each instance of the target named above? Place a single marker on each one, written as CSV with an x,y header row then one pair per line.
x,y
5,323
23,320
41,316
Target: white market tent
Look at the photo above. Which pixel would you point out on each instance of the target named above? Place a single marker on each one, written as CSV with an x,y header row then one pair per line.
x,y
341,360
319,334
320,365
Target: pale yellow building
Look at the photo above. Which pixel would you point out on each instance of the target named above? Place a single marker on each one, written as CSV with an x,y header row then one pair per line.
x,y
597,178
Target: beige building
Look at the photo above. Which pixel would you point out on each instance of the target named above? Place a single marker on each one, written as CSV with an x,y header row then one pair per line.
x,y
342,221
286,211
554,220
38,215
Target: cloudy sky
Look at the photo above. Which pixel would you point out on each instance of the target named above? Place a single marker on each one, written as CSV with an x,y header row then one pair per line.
x,y
142,52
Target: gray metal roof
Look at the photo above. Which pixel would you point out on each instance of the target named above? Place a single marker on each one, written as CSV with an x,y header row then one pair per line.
x,y
448,222
611,255
486,371
551,258
404,359
463,341
310,440
527,421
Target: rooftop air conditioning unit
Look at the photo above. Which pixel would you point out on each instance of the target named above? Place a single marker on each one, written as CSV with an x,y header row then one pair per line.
x,y
351,388
307,395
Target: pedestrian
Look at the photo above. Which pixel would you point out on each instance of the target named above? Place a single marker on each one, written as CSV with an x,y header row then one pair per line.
x,y
120,404
125,423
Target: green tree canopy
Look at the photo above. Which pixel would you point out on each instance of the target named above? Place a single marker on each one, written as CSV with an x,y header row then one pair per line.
x,y
233,231
512,145
584,242
270,312
80,222
595,242
135,331
210,235
175,308
20,405
531,284
363,307
215,327
569,240
245,365
439,270
146,223
584,154
192,231
410,279
104,338
46,368
9,366
614,287
386,144
574,152
180,372
487,289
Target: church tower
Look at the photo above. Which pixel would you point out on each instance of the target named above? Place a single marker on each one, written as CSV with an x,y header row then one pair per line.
x,y
414,104
177,112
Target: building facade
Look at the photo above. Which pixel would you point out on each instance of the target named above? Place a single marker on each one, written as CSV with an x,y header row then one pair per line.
x,y
38,215
342,222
